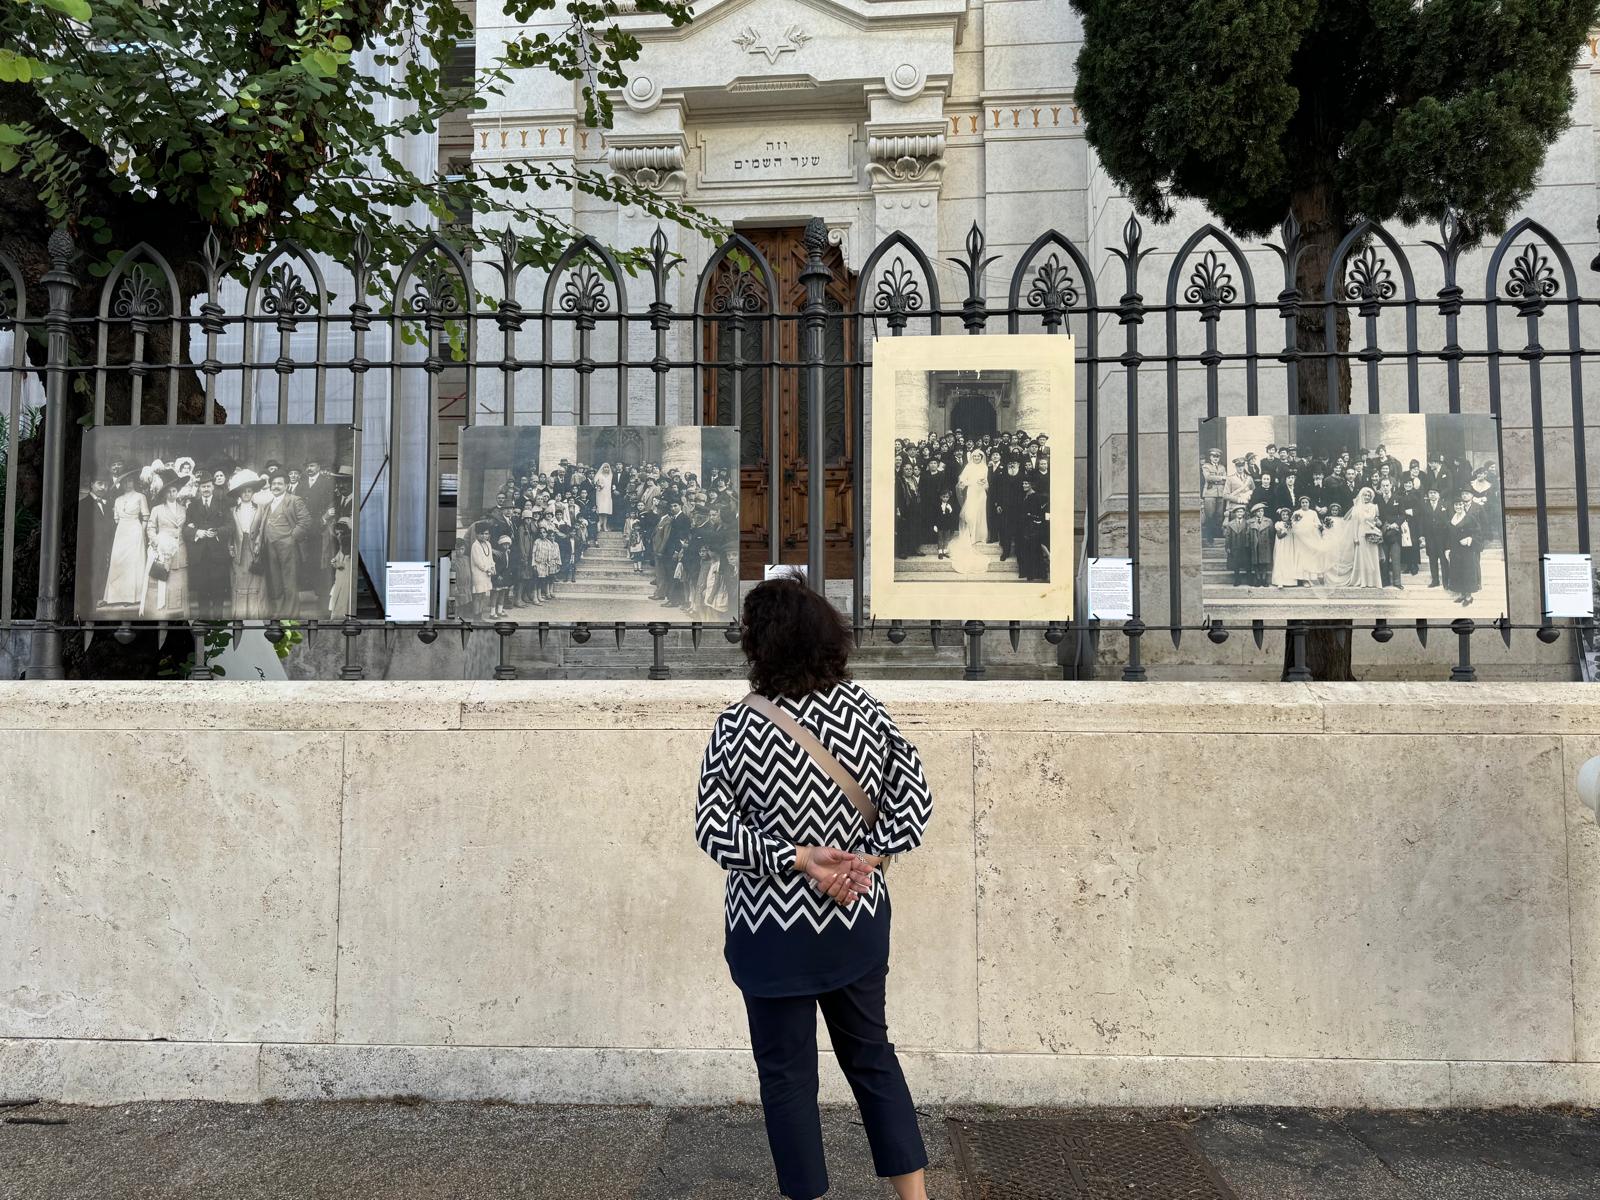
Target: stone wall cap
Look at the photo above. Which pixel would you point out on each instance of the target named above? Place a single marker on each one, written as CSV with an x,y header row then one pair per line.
x,y
1354,708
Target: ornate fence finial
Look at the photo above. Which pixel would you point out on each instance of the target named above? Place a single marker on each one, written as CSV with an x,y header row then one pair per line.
x,y
973,264
1053,289
899,293
1532,281
1370,281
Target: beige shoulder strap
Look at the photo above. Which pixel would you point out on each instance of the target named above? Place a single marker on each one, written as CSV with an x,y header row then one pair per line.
x,y
812,745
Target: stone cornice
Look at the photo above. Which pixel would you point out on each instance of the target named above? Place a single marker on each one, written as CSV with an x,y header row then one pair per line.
x,y
864,14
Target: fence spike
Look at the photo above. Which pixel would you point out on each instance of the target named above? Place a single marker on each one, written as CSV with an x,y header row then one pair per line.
x,y
1422,632
622,632
1258,630
694,634
1016,636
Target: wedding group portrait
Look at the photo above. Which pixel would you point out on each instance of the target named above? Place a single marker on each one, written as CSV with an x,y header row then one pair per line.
x,y
597,523
215,522
972,482
1398,516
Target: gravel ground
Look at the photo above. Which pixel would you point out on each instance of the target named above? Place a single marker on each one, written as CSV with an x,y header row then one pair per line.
x,y
405,1151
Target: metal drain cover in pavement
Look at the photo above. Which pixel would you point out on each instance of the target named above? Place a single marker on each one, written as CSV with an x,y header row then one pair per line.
x,y
1083,1160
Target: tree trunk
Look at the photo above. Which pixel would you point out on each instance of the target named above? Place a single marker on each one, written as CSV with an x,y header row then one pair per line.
x,y
1323,225
25,227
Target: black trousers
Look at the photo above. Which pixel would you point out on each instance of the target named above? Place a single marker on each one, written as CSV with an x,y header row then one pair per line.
x,y
783,1034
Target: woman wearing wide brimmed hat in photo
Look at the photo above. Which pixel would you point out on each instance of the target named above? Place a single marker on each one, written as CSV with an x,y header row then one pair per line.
x,y
805,786
248,575
167,574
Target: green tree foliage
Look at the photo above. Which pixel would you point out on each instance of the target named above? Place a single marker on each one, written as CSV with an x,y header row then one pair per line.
x,y
163,121
132,121
1336,111
1390,110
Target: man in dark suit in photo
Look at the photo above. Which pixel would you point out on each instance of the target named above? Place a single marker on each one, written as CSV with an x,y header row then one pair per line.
x,y
96,528
207,529
1390,518
316,489
1432,514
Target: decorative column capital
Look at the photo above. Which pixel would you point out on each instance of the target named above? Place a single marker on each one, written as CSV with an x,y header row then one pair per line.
x,y
656,166
905,155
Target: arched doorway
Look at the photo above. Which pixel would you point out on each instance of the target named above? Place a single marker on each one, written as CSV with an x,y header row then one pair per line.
x,y
784,249
974,416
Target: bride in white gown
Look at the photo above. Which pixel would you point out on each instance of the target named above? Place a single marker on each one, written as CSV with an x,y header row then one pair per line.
x,y
973,529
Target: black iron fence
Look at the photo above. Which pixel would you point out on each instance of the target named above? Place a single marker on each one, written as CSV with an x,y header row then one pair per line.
x,y
408,353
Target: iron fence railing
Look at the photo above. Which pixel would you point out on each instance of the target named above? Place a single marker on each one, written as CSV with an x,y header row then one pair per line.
x,y
481,336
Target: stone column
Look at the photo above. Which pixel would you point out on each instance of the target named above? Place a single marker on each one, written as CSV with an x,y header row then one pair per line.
x,y
647,148
680,451
1033,402
555,443
912,395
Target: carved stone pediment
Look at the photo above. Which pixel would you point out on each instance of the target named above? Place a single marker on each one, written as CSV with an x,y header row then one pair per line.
x,y
747,45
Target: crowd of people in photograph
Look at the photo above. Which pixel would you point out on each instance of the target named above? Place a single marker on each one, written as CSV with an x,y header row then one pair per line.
x,y
680,532
954,494
1357,519
216,541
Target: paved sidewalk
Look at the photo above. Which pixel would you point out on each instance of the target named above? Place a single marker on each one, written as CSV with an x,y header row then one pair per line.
x,y
399,1151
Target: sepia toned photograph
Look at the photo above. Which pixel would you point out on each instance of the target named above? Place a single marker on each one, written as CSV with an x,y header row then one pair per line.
x,y
1394,516
215,523
972,478
597,523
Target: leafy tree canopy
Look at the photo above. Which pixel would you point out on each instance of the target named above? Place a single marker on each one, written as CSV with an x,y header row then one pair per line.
x,y
157,120
1382,109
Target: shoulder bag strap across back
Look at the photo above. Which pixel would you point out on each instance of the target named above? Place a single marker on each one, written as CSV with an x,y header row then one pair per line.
x,y
812,745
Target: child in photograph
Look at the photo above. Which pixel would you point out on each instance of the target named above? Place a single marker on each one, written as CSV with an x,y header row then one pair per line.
x,y
1285,560
944,523
1236,535
505,577
1262,538
482,572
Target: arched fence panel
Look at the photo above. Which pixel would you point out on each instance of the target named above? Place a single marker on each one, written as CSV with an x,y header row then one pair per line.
x,y
412,350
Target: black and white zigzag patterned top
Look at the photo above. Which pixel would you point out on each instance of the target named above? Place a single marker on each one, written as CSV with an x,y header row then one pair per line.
x,y
761,795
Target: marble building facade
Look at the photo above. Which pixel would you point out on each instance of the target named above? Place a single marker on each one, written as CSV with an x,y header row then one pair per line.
x,y
924,116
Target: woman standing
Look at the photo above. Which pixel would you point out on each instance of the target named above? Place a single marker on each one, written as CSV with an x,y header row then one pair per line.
x,y
128,569
808,925
339,565
249,574
167,589
603,501
973,527
1356,537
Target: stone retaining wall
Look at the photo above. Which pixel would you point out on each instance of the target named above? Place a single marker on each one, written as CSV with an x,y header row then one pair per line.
x,y
1131,894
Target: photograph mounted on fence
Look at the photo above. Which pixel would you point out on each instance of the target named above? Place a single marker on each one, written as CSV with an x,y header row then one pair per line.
x,y
1393,516
215,523
972,478
597,523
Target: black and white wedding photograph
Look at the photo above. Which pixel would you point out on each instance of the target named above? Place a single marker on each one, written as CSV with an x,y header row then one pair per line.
x,y
597,523
1397,516
972,478
215,523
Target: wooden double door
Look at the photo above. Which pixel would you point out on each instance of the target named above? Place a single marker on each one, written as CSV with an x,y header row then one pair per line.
x,y
744,395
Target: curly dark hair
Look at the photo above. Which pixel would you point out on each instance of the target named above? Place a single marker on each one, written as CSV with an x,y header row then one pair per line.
x,y
795,640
